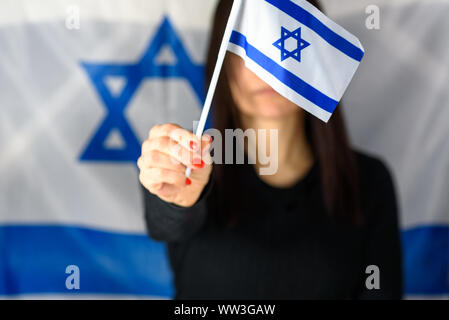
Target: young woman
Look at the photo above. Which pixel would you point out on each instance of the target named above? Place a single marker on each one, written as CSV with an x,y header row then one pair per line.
x,y
313,230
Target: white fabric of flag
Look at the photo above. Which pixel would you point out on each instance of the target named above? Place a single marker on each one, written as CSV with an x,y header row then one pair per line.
x,y
298,51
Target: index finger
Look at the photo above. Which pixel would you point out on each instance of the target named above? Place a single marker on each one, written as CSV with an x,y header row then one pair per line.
x,y
184,137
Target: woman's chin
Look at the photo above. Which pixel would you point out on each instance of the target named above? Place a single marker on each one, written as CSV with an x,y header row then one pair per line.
x,y
277,111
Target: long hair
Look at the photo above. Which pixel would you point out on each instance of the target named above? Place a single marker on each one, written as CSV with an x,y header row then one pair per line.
x,y
329,142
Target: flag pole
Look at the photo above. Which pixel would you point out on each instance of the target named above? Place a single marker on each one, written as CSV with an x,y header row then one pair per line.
x,y
213,84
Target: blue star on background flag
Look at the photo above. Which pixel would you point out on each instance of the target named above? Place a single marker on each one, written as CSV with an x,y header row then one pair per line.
x,y
301,44
134,74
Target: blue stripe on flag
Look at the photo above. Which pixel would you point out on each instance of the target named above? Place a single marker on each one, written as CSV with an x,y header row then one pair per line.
x,y
286,77
307,19
33,259
426,260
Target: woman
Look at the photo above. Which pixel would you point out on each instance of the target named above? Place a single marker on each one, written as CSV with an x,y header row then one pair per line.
x,y
309,231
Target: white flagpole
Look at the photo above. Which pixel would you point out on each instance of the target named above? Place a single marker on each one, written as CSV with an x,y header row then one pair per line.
x,y
213,84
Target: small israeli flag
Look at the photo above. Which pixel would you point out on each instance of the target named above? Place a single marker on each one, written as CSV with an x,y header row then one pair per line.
x,y
298,51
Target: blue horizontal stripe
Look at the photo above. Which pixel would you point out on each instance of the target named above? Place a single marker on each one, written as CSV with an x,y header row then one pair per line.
x,y
310,21
426,260
33,259
286,77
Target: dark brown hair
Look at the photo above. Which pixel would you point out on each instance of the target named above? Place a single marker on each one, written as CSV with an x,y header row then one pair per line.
x,y
329,142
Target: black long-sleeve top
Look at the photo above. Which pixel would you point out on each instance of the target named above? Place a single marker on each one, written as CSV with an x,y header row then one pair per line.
x,y
286,246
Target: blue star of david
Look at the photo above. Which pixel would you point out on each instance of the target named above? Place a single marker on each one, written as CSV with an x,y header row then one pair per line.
x,y
134,74
301,44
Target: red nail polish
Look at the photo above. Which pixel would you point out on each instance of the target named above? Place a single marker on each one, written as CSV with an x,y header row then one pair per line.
x,y
198,165
193,145
188,181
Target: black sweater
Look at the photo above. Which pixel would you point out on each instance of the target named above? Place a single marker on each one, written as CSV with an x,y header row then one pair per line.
x,y
286,247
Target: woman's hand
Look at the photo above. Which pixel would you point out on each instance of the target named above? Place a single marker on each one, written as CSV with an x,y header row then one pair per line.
x,y
166,154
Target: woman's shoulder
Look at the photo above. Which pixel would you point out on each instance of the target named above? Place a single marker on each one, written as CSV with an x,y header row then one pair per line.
x,y
376,182
372,168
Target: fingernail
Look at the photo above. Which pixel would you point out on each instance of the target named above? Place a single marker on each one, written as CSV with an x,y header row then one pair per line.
x,y
188,182
208,138
194,145
198,163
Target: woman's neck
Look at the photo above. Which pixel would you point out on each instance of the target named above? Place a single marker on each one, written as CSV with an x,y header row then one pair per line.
x,y
294,155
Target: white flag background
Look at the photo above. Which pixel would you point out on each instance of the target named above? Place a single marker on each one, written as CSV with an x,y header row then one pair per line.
x,y
77,102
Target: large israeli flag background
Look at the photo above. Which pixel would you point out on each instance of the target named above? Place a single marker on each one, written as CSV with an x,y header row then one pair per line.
x,y
77,102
